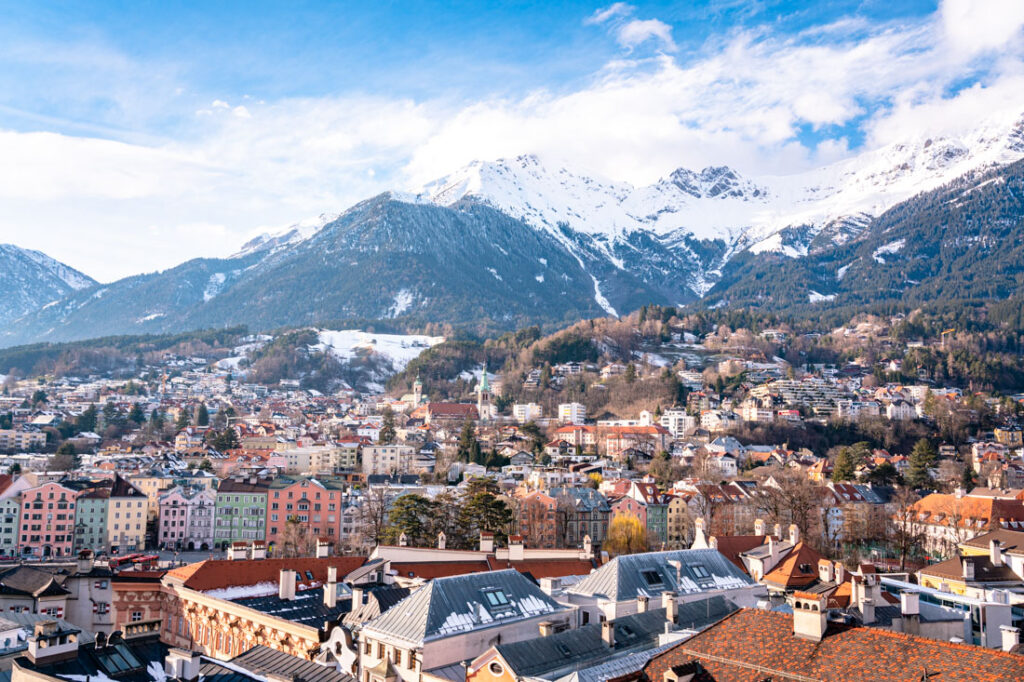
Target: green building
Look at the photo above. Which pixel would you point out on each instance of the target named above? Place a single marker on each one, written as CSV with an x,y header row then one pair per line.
x,y
240,512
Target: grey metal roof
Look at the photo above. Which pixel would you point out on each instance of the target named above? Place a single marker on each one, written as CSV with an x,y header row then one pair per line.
x,y
617,666
631,575
581,646
307,608
261,660
457,604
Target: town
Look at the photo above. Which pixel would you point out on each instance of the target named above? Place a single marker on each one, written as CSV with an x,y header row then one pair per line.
x,y
742,512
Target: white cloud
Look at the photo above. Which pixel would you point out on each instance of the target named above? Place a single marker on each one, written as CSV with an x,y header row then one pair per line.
x,y
974,26
618,9
238,167
639,31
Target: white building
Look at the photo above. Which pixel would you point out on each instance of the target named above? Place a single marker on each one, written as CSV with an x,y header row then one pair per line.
x,y
572,413
527,412
678,422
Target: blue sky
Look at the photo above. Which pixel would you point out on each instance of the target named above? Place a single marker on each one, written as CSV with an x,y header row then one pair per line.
x,y
134,135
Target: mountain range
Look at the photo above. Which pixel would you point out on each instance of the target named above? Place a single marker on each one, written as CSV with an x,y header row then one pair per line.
x,y
502,244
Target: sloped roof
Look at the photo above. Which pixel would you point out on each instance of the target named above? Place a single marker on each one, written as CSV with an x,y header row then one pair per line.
x,y
798,569
261,660
213,574
732,648
627,576
455,605
734,545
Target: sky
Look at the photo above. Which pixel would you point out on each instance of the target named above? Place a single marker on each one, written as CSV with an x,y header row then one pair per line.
x,y
137,135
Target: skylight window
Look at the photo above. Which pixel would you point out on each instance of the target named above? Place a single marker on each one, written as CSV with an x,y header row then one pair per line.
x,y
699,571
496,598
652,577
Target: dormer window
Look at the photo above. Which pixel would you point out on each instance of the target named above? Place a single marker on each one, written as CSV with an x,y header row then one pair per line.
x,y
495,598
652,578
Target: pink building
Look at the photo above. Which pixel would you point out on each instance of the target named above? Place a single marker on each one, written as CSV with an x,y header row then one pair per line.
x,y
186,519
47,520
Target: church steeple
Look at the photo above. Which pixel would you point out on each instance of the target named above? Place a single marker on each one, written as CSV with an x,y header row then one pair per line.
x,y
483,397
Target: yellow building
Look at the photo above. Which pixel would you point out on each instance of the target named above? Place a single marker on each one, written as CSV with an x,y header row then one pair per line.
x,y
152,486
1011,438
126,518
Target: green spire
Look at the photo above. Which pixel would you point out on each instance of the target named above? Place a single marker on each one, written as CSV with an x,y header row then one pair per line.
x,y
484,386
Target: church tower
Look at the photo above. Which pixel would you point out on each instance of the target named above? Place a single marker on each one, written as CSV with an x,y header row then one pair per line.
x,y
417,392
483,397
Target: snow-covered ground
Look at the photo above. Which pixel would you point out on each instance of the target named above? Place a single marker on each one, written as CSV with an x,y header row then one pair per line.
x,y
401,349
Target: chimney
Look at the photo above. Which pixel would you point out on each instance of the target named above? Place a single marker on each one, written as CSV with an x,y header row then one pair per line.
x,y
772,549
1011,636
238,551
286,585
258,550
331,588
867,610
641,603
550,585
968,567
403,540
778,531
182,665
516,551
50,643
357,596
547,628
810,617
840,572
671,606
759,527
910,609
442,540
825,570
323,548
995,552
608,633
85,561
588,547
910,603
486,542
794,534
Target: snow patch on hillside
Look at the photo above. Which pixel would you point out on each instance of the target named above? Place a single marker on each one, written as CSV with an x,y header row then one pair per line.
x,y
888,249
400,349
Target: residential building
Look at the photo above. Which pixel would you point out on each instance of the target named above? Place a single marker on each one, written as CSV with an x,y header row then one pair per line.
x,y
678,422
11,488
527,412
692,574
572,413
312,506
387,459
240,512
22,441
805,645
91,520
126,518
186,519
47,520
452,619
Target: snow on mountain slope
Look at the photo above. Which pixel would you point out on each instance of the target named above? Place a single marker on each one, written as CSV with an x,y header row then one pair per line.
x,y
270,242
400,349
718,203
71,277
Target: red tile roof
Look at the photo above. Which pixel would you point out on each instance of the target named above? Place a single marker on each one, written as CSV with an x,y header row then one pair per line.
x,y
798,569
214,574
754,645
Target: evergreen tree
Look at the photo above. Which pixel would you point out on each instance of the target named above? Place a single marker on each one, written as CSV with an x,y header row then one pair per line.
x,y
922,457
387,428
225,440
630,374
468,446
87,420
136,414
202,415
413,516
156,418
183,420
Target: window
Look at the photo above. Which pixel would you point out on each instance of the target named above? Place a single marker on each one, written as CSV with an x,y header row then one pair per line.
x,y
652,577
496,598
136,616
699,571
496,669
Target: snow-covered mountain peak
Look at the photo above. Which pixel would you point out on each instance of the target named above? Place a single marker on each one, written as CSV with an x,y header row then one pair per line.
x,y
713,181
74,279
269,242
